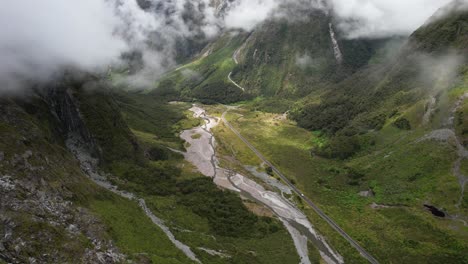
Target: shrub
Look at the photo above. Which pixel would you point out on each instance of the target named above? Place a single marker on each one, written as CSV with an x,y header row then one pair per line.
x,y
402,123
224,211
158,153
339,147
269,170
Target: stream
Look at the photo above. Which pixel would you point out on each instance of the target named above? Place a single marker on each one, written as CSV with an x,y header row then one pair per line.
x,y
201,152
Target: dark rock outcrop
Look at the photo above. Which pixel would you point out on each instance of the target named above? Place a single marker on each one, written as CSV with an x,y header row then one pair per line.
x,y
435,211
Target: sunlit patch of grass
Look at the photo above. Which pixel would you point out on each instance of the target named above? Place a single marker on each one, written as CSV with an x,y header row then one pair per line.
x,y
401,172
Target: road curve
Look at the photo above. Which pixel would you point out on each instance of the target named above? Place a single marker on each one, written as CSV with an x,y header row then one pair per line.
x,y
233,82
325,217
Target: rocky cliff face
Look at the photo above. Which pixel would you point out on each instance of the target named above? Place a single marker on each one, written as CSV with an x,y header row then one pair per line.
x,y
65,108
42,189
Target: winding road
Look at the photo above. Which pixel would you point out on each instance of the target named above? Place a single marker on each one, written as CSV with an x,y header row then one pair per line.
x,y
325,217
233,82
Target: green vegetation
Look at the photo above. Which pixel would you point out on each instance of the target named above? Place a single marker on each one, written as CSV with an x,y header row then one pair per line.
x,y
292,59
98,213
152,115
57,238
402,174
269,105
205,79
134,233
226,214
402,123
140,163
339,147
448,31
196,136
103,119
264,246
461,122
189,201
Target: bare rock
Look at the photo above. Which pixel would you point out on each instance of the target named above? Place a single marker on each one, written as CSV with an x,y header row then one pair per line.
x,y
27,154
369,193
6,183
379,206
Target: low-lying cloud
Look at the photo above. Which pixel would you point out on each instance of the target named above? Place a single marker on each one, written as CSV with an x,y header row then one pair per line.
x,y
438,72
356,18
40,38
381,18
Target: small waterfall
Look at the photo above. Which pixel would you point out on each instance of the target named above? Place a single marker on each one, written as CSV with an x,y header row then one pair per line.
x,y
336,46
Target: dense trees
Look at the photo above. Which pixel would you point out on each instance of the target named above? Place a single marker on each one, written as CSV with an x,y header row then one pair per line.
x,y
339,147
402,123
225,212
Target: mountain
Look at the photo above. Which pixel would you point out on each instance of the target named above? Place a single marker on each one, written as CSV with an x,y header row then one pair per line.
x,y
364,97
373,131
446,29
304,55
46,198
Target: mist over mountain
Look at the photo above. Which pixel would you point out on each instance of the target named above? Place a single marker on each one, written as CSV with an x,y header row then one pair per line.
x,y
93,35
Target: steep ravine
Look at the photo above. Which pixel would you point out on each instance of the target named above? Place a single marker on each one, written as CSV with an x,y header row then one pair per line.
x,y
201,153
89,166
80,143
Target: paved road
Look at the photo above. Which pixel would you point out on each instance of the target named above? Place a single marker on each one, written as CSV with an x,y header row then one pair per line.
x,y
325,217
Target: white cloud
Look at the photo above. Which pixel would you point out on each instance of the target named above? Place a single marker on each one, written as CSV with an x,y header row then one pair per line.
x,y
358,18
246,14
38,37
303,61
380,18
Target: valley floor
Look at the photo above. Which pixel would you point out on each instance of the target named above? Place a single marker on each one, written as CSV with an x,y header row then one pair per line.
x,y
391,223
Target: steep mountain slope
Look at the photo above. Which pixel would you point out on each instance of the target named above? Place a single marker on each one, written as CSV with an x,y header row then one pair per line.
x,y
205,78
303,55
446,29
285,57
425,67
50,210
